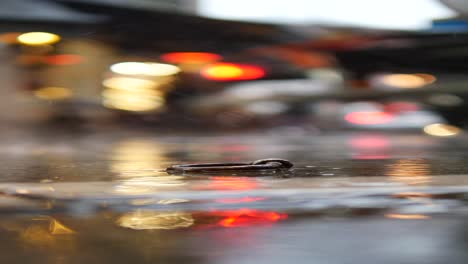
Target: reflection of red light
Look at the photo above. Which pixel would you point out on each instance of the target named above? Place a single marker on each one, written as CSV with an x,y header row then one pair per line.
x,y
369,118
370,157
229,183
64,59
369,142
241,200
399,107
190,57
248,217
232,72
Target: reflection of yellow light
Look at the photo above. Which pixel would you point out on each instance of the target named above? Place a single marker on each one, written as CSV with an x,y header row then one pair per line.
x,y
145,185
38,38
144,220
144,68
441,130
136,158
57,228
126,83
409,171
408,80
53,93
407,216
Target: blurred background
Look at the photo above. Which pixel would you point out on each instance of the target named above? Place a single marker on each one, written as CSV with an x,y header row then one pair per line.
x,y
186,64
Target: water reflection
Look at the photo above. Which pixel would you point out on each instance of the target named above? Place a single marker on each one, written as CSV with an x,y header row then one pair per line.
x,y
227,183
409,171
407,216
370,147
147,220
137,157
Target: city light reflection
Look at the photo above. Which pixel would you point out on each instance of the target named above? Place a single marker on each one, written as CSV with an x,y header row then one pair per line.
x,y
248,217
148,220
136,158
57,228
38,38
409,171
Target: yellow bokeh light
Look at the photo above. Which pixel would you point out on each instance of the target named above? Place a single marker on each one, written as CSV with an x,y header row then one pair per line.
x,y
126,83
144,68
38,38
408,80
116,94
441,130
133,104
147,220
224,71
53,93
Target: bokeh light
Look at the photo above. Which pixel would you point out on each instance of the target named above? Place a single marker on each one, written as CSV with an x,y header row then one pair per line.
x,y
407,80
144,68
369,117
441,130
127,83
38,38
232,72
190,57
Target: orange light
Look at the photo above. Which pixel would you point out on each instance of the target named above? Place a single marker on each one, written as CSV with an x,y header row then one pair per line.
x,y
249,217
64,59
232,72
190,57
369,118
9,38
407,216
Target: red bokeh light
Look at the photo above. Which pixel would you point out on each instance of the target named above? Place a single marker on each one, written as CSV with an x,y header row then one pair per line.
x,y
232,72
369,117
190,57
370,142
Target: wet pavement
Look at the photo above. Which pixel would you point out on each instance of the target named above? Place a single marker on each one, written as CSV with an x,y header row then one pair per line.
x,y
356,197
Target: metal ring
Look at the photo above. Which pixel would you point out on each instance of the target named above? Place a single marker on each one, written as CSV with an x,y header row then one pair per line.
x,y
263,164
